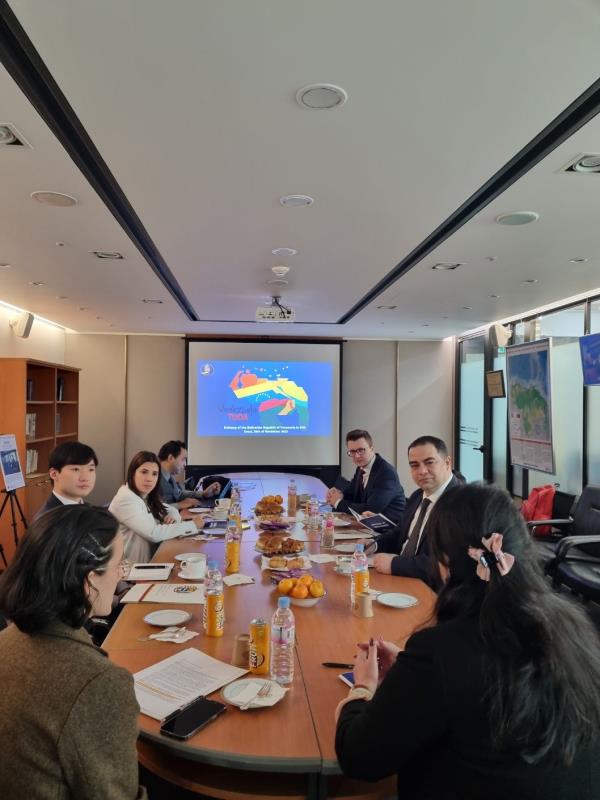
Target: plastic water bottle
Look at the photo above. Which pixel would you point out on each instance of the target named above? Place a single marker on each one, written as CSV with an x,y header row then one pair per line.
x,y
283,631
232,546
327,537
292,503
359,574
235,493
314,520
213,614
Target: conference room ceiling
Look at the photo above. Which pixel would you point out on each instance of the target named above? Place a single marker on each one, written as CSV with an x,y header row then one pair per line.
x,y
192,107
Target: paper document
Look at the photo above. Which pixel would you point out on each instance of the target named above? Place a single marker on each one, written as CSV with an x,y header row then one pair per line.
x,y
339,537
150,572
165,593
176,681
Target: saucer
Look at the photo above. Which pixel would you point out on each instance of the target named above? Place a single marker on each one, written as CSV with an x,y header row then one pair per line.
x,y
168,616
188,577
397,600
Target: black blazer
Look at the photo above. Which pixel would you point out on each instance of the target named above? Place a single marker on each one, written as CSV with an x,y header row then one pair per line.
x,y
428,724
383,492
419,565
51,502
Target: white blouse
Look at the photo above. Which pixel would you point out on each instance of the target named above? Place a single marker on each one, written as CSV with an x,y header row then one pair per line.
x,y
140,528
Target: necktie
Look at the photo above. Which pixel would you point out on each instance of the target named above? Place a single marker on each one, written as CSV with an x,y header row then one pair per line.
x,y
410,548
361,485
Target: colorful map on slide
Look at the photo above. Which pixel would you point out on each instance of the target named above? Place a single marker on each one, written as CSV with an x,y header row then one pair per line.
x,y
264,398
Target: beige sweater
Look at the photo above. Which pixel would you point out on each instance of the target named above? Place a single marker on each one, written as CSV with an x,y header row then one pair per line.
x,y
68,719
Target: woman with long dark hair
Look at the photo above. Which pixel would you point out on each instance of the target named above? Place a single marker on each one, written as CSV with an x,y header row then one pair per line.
x,y
145,520
500,699
68,726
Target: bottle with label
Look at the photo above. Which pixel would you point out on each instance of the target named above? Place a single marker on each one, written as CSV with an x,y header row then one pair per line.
x,y
359,574
235,493
283,631
314,519
292,503
327,537
232,546
258,653
214,601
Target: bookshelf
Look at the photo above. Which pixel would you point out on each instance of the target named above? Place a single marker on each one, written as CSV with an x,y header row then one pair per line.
x,y
39,403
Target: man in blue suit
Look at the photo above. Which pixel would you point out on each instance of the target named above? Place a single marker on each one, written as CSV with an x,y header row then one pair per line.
x,y
375,486
405,550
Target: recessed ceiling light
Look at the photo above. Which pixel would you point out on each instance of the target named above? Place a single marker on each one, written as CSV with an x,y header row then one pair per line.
x,y
5,266
320,96
577,260
108,254
284,251
151,300
530,281
295,200
54,199
494,296
447,265
386,308
9,135
517,218
59,244
467,308
36,283
587,163
490,258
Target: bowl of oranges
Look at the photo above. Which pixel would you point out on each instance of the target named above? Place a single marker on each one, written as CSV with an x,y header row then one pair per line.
x,y
304,591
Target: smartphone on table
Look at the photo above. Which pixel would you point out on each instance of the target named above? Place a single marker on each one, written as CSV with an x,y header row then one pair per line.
x,y
347,678
187,721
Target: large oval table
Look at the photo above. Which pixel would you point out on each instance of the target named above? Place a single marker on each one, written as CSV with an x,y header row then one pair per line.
x,y
285,751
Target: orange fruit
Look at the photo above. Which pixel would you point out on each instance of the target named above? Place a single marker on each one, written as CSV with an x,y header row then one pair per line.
x,y
316,589
300,591
306,580
285,585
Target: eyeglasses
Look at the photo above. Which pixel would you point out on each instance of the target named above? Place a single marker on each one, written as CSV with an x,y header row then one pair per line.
x,y
360,451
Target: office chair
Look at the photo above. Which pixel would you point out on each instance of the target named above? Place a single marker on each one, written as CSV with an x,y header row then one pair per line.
x,y
563,507
583,542
580,576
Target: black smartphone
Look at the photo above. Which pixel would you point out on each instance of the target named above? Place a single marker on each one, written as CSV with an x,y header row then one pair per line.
x,y
187,721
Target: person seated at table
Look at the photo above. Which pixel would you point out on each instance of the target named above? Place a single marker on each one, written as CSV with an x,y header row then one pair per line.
x,y
72,470
68,726
173,458
498,700
404,551
145,520
375,486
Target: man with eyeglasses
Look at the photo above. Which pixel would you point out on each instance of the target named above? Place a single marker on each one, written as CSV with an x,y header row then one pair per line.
x,y
375,486
405,550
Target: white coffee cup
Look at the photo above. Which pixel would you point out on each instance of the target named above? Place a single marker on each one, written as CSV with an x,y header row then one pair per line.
x,y
223,502
194,567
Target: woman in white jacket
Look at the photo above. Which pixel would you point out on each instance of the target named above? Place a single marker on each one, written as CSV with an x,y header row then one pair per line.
x,y
144,519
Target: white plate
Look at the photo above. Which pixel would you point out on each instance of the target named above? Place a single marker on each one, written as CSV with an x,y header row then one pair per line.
x,y
344,548
168,616
341,523
231,691
185,556
397,600
188,577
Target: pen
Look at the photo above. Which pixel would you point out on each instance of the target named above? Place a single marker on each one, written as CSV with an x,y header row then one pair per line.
x,y
337,665
148,566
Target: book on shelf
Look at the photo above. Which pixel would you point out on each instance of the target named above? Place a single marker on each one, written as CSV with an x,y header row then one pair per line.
x,y
31,461
60,388
29,389
30,424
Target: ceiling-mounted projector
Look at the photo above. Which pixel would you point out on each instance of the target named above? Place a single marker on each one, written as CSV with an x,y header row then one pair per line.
x,y
276,312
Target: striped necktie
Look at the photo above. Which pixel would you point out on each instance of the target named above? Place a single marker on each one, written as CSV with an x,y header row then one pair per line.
x,y
412,543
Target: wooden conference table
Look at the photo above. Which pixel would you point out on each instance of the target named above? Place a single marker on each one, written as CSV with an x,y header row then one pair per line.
x,y
286,751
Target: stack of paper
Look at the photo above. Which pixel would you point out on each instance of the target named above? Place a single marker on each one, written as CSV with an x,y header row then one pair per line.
x,y
165,593
150,572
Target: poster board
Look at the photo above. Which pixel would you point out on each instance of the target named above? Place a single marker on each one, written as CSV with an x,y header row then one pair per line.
x,y
10,463
494,383
530,406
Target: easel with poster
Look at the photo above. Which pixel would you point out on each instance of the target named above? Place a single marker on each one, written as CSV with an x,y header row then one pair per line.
x,y
13,480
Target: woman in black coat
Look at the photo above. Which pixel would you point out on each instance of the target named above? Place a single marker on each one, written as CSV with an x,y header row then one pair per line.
x,y
501,698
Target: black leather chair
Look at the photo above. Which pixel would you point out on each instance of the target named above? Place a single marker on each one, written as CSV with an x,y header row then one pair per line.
x,y
583,542
580,576
563,508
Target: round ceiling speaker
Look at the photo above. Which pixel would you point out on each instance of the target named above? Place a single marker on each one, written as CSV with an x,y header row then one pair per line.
x,y
517,218
319,96
295,200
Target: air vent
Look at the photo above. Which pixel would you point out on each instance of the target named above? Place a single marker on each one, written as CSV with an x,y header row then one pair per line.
x,y
108,255
584,162
11,137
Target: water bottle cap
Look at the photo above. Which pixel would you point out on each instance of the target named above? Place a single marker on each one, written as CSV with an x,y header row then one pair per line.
x,y
283,602
360,548
212,564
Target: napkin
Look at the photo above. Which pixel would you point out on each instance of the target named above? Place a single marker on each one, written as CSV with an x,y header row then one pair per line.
x,y
174,634
321,558
200,538
253,687
237,579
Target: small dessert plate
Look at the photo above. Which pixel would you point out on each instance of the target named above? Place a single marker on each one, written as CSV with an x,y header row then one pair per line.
x,y
167,617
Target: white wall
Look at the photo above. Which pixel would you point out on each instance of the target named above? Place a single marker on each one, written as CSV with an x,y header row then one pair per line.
x,y
45,342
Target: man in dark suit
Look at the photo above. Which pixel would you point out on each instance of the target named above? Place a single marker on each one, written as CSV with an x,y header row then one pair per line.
x,y
72,469
375,486
173,458
405,550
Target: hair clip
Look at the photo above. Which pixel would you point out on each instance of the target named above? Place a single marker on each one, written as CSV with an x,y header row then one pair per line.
x,y
491,556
